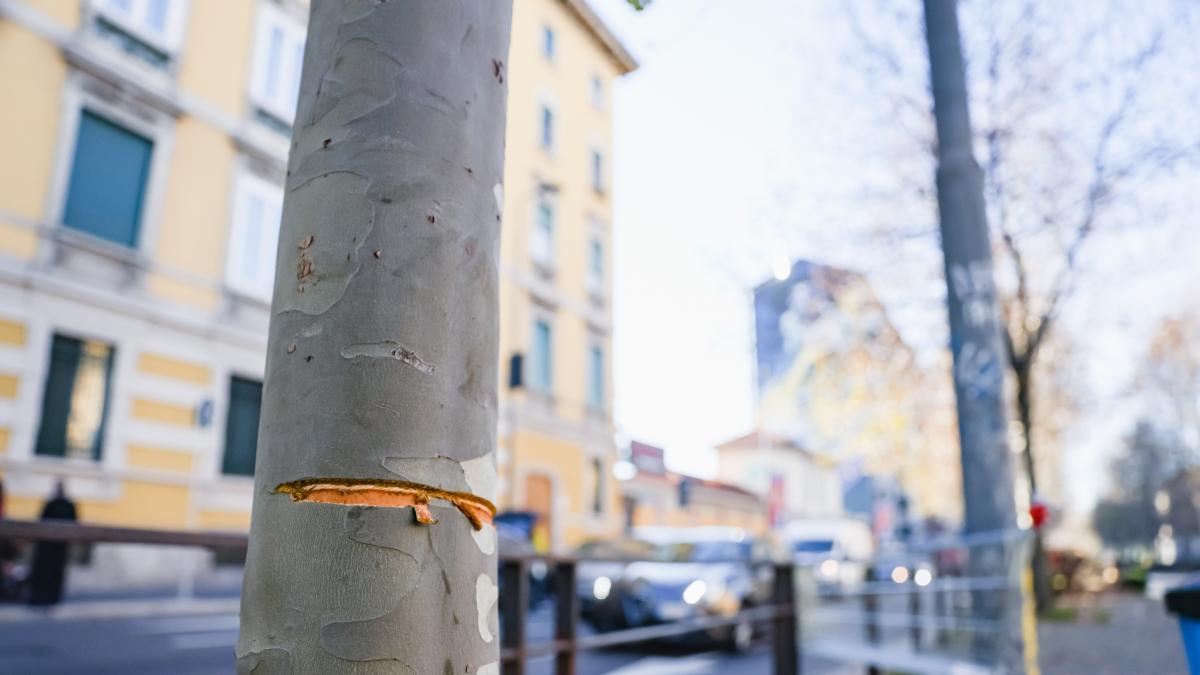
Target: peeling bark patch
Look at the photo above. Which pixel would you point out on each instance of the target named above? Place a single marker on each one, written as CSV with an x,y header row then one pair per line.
x,y
485,539
388,493
304,270
492,668
498,193
486,594
265,662
388,349
480,474
333,205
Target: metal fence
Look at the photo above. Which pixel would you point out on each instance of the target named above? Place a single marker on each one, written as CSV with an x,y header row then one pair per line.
x,y
779,617
951,604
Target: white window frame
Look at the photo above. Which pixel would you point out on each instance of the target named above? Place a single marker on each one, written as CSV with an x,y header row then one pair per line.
x,y
549,43
547,107
595,278
542,245
602,404
597,92
125,112
597,177
282,104
599,469
134,22
533,384
262,283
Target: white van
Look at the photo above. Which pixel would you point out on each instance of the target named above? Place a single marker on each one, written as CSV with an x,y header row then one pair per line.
x,y
837,549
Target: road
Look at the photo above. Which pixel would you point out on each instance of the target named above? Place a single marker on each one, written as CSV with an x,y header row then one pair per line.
x,y
203,645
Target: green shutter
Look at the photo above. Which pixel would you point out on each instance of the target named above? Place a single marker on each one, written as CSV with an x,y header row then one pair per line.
x,y
75,400
108,181
241,426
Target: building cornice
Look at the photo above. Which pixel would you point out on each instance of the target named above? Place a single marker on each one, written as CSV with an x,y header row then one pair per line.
x,y
612,45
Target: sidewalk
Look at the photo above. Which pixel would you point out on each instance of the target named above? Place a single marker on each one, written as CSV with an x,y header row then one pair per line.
x,y
1113,634
129,603
119,609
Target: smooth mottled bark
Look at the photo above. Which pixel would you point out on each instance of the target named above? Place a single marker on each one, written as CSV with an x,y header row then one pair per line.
x,y
380,384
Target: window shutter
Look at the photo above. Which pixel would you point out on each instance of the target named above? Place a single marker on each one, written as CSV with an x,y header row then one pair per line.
x,y
241,427
108,181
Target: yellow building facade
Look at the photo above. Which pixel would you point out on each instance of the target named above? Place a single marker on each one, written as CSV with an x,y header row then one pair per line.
x,y
556,432
139,201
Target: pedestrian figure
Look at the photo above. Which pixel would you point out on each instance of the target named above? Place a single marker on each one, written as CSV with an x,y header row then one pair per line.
x,y
8,554
50,557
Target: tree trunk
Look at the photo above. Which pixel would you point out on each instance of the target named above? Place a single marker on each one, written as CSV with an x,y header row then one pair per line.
x,y
371,546
1039,564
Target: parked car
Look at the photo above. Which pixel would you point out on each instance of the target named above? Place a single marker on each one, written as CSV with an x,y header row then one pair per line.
x,y
838,550
694,572
602,564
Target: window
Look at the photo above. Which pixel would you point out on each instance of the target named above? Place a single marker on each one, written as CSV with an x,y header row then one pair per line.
x,y
542,242
108,180
595,392
241,426
598,485
278,58
595,277
547,127
254,237
158,24
75,402
542,377
597,171
597,92
548,42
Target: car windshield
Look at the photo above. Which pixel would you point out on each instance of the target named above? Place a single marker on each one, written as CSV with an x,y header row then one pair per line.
x,y
814,546
704,551
615,548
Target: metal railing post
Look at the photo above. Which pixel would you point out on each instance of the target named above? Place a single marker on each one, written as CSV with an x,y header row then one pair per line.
x,y
514,602
939,609
787,619
566,616
870,603
914,612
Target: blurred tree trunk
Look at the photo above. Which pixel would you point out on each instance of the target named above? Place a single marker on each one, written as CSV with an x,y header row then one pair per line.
x,y
1071,134
371,546
1040,565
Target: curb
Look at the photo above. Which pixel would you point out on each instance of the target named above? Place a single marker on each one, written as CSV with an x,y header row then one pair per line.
x,y
120,609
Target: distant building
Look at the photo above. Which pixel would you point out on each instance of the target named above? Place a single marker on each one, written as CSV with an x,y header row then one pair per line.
x,y
836,378
656,496
139,215
794,482
556,449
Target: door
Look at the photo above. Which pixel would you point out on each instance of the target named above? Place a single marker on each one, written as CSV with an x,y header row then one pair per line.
x,y
539,499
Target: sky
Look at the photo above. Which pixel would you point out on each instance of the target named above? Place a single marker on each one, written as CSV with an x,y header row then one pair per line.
x,y
731,159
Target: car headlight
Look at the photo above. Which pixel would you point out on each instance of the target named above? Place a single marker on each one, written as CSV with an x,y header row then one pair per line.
x,y
899,574
829,568
695,591
601,587
922,577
